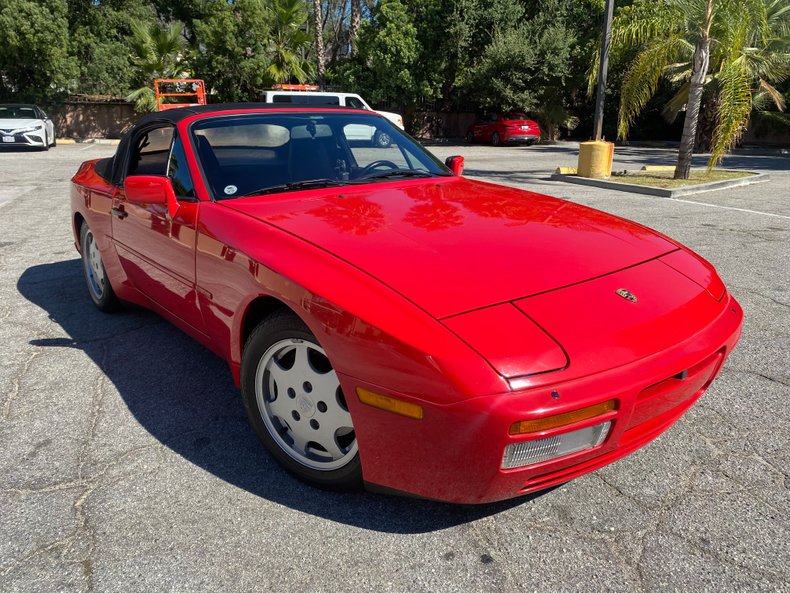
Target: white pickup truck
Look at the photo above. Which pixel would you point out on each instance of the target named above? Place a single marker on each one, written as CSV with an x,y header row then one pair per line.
x,y
351,100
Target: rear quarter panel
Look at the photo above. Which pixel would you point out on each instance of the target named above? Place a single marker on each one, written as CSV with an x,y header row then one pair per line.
x,y
92,201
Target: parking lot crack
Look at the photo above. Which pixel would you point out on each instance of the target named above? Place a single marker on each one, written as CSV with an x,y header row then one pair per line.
x,y
758,374
617,489
16,381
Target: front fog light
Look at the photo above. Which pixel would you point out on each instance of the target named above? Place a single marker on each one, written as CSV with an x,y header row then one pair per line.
x,y
529,452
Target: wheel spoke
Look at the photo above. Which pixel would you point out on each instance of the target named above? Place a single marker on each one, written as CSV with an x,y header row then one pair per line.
x,y
299,441
335,418
327,440
324,385
283,377
281,407
301,369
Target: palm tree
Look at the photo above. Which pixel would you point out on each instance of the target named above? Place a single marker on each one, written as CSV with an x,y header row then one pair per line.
x,y
318,32
353,28
157,52
289,42
734,49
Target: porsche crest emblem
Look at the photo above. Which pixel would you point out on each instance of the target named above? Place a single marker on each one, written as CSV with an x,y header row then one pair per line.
x,y
627,295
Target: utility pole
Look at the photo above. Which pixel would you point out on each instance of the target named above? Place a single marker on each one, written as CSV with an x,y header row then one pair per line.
x,y
603,66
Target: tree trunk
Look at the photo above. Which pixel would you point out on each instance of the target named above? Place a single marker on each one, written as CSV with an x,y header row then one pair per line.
x,y
318,30
699,70
353,29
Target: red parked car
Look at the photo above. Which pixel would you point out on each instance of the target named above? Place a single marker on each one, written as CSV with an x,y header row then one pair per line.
x,y
390,322
501,128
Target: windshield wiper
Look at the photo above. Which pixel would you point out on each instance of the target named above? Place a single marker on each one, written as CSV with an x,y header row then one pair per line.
x,y
395,173
293,186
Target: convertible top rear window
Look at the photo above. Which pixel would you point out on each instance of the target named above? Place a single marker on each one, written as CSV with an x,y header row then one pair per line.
x,y
104,169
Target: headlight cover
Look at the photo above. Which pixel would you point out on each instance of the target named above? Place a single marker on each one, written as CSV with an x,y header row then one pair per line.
x,y
509,340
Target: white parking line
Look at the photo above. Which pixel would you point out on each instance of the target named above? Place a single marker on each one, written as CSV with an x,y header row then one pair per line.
x,y
730,208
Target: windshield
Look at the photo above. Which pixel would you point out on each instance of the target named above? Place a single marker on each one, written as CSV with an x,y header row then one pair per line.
x,y
254,154
18,112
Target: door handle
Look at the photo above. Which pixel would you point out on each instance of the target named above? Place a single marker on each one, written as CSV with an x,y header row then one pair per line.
x,y
119,212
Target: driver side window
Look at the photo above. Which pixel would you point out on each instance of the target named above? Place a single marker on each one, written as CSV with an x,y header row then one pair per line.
x,y
178,171
150,152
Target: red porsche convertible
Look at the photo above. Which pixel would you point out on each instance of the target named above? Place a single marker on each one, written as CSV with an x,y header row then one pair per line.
x,y
391,323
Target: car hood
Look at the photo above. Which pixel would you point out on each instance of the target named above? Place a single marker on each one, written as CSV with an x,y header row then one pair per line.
x,y
453,245
15,124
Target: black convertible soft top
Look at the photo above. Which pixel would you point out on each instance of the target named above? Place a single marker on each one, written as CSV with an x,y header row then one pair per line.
x,y
111,168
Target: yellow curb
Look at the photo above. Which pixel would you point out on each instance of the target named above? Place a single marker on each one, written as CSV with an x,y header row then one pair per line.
x,y
66,141
658,168
566,170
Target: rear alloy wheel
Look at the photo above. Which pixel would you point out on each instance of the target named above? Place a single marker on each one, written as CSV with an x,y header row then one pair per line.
x,y
495,140
99,287
470,137
295,404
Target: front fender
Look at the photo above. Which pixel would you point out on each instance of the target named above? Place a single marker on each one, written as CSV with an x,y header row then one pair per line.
x,y
369,331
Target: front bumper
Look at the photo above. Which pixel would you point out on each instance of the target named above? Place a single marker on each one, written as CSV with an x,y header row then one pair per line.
x,y
37,138
455,452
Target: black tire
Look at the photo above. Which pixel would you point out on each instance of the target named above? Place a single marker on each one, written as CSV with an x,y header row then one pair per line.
x,y
46,142
382,140
495,140
277,329
98,283
54,141
470,137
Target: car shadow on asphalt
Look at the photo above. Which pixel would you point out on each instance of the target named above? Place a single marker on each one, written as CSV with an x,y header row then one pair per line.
x,y
183,395
18,148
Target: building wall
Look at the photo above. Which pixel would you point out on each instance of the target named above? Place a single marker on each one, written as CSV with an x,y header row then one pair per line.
x,y
85,120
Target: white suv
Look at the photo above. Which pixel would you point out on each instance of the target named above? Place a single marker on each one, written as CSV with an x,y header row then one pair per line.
x,y
326,98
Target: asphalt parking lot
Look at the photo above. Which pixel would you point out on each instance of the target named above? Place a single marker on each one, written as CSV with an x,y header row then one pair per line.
x,y
126,463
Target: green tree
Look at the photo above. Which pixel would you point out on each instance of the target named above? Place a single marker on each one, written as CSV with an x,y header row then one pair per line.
x,y
734,49
35,64
157,52
289,42
231,49
99,34
388,52
524,67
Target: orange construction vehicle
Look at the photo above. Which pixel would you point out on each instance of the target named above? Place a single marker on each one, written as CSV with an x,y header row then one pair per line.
x,y
172,93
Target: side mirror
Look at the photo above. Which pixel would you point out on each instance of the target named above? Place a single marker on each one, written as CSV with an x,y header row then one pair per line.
x,y
455,164
151,189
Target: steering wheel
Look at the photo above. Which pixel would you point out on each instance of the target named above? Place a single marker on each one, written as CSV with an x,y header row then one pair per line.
x,y
375,165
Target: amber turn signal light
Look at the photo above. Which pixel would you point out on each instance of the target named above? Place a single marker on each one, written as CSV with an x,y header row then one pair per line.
x,y
390,404
525,426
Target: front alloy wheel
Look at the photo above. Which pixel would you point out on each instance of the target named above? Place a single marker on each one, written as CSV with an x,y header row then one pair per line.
x,y
296,405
